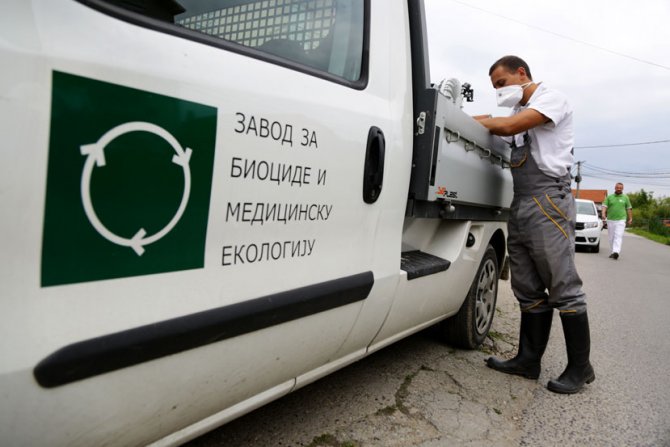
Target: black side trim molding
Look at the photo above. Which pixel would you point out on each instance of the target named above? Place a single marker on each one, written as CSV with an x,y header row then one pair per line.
x,y
111,352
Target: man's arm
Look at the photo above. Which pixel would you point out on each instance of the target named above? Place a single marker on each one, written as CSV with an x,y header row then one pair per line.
x,y
604,212
515,124
482,117
629,210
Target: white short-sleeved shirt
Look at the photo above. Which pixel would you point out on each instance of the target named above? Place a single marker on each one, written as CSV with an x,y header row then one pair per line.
x,y
551,143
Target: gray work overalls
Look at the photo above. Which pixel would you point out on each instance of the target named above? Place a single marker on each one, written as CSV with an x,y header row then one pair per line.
x,y
541,241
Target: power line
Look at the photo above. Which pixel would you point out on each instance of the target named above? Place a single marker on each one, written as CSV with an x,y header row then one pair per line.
x,y
650,174
615,176
628,177
563,36
650,179
634,181
642,175
640,143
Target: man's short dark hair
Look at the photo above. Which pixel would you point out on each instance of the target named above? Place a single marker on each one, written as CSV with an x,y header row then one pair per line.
x,y
512,63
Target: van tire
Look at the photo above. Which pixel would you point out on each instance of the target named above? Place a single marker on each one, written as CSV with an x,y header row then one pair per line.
x,y
470,326
596,248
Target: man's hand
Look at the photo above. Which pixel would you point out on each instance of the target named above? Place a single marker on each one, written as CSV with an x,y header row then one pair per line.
x,y
515,124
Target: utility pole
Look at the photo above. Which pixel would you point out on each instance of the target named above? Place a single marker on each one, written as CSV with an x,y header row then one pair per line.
x,y
578,177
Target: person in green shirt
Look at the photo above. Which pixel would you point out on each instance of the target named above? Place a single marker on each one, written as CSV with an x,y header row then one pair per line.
x,y
615,208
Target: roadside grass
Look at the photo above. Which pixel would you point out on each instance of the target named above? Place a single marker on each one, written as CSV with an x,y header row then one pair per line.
x,y
651,236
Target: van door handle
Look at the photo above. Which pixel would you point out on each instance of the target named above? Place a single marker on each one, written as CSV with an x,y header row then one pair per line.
x,y
373,172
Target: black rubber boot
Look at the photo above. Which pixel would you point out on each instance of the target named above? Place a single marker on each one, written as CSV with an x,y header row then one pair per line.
x,y
533,338
578,344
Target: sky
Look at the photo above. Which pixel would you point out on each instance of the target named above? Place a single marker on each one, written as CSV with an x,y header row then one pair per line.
x,y
610,57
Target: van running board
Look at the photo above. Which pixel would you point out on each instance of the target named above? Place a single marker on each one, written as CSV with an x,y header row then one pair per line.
x,y
417,264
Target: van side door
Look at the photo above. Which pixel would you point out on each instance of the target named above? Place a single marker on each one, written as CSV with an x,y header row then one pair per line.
x,y
217,203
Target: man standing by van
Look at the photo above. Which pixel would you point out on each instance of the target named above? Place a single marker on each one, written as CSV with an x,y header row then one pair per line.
x,y
615,208
541,227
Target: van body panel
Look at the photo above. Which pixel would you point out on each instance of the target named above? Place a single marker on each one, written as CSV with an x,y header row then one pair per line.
x,y
187,235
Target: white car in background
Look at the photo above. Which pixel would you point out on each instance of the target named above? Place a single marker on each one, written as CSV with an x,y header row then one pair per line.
x,y
588,225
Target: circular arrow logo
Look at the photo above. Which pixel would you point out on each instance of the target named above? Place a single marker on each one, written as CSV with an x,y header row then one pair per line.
x,y
95,154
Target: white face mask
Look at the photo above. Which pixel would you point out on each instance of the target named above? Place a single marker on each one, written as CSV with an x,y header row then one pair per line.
x,y
510,95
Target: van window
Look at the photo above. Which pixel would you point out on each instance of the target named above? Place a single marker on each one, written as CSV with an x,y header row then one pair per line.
x,y
327,35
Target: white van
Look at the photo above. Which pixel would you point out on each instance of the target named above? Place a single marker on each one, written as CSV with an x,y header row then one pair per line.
x,y
211,203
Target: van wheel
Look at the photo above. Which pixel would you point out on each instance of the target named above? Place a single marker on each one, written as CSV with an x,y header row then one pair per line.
x,y
469,327
596,248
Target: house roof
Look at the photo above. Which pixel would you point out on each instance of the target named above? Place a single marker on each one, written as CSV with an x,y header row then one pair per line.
x,y
597,195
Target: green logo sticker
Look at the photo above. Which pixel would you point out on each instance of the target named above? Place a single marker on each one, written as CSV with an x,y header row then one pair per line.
x,y
128,183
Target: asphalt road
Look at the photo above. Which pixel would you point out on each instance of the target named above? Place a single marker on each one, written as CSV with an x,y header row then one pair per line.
x,y
420,392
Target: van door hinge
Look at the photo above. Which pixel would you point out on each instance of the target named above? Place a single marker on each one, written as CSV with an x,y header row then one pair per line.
x,y
421,123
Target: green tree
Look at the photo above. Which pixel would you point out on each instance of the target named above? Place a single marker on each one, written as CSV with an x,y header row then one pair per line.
x,y
648,212
642,203
663,208
641,199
